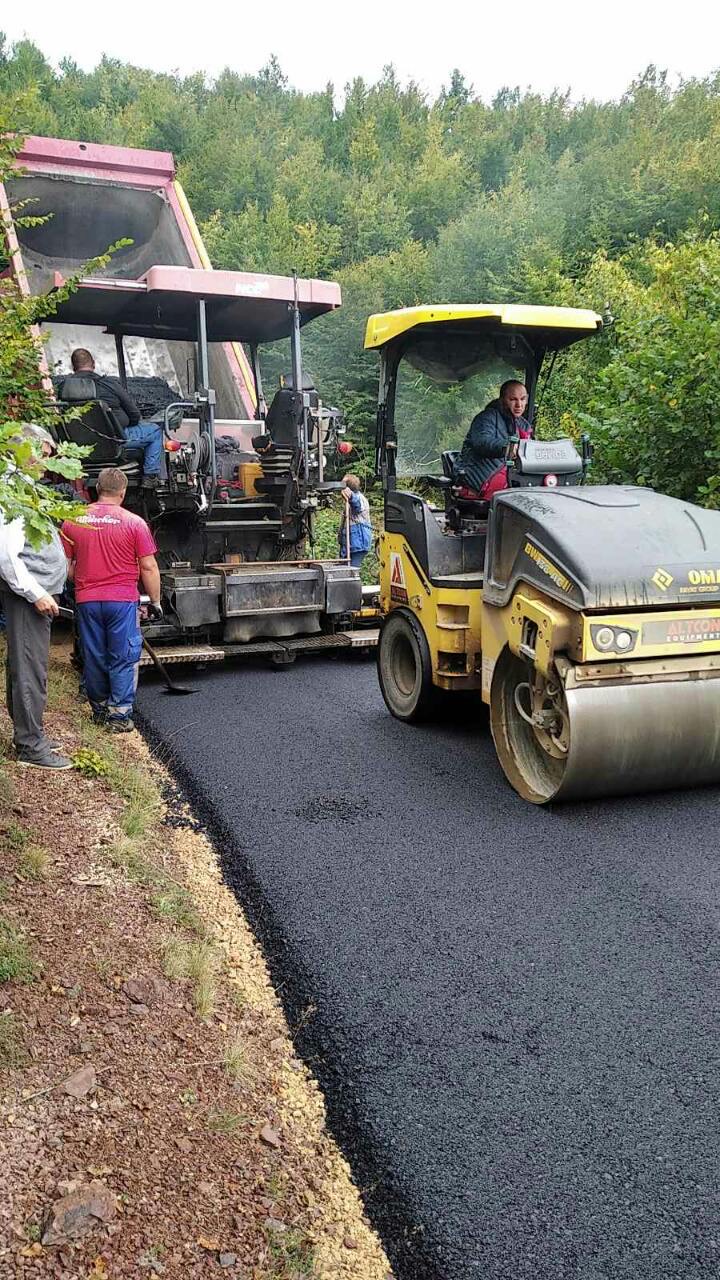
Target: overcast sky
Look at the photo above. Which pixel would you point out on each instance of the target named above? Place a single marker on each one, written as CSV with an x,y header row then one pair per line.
x,y
595,49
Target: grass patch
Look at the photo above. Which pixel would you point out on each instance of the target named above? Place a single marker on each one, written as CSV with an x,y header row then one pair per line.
x,y
62,685
175,964
7,791
169,901
235,1061
95,738
33,863
203,967
133,784
4,890
197,961
221,1120
175,904
136,820
124,854
130,781
204,993
16,837
292,1253
12,1046
16,963
143,804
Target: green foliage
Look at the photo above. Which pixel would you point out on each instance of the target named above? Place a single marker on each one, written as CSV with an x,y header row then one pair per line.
x,y
16,963
175,904
12,1047
25,394
647,392
90,763
33,863
15,836
527,198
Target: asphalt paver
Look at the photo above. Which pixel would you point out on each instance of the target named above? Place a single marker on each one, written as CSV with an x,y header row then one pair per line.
x,y
513,1011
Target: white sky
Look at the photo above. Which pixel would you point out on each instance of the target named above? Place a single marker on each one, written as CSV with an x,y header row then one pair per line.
x,y
594,49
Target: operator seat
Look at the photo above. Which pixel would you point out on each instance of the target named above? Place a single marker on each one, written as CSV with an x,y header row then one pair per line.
x,y
461,502
97,428
279,462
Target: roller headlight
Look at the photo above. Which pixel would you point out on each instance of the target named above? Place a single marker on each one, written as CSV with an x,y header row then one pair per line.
x,y
604,638
608,639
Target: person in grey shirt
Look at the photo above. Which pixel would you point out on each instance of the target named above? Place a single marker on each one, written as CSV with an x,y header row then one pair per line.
x,y
29,581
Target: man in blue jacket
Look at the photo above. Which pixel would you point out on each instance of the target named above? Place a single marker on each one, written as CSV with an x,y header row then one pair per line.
x,y
357,516
484,451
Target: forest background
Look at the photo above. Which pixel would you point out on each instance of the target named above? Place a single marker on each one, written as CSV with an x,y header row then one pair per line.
x,y
611,205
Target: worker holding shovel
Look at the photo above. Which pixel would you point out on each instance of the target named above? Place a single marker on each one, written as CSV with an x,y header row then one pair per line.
x,y
109,550
356,522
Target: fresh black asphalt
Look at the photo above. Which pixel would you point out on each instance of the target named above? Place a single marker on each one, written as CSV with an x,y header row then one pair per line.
x,y
513,1011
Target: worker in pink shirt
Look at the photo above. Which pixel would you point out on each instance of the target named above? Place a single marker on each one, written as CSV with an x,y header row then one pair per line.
x,y
109,549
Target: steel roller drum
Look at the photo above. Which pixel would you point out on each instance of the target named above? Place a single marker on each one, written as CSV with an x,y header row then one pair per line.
x,y
623,739
642,737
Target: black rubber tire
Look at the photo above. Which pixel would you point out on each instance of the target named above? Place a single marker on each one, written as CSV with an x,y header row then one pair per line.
x,y
405,668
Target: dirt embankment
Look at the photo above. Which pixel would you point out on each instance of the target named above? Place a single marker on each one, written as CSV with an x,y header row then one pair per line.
x,y
154,1119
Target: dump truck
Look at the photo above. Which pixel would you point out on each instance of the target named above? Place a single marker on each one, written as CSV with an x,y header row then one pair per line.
x,y
586,617
241,479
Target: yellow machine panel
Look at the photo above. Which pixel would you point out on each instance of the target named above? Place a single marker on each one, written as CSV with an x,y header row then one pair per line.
x,y
450,617
573,321
650,635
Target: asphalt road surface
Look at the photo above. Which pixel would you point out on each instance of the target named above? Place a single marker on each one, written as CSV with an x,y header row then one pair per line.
x,y
513,1011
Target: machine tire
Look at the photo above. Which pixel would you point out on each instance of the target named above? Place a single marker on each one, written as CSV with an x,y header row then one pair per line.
x,y
405,668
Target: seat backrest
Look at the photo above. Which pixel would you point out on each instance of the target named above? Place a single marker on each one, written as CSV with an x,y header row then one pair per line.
x,y
76,388
449,462
284,417
99,429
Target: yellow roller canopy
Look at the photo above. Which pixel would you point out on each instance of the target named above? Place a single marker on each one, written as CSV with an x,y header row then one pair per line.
x,y
558,326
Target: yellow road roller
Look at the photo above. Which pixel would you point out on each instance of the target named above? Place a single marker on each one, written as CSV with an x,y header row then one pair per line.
x,y
586,616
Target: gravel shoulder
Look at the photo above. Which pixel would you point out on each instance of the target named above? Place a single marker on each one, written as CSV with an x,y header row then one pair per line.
x,y
154,1116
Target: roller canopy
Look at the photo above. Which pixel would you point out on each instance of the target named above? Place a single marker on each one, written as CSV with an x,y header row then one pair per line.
x,y
240,306
603,547
543,328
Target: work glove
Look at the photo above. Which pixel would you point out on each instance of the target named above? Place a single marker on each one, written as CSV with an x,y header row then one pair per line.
x,y
155,612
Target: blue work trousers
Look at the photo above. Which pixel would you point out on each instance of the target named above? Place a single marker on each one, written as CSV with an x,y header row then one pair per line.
x,y
147,436
111,645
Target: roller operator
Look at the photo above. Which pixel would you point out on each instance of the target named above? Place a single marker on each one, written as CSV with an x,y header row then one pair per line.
x,y
481,467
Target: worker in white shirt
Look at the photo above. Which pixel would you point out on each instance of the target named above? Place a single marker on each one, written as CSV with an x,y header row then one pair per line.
x,y
30,579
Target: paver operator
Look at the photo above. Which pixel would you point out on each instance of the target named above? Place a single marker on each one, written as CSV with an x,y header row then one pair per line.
x,y
147,436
